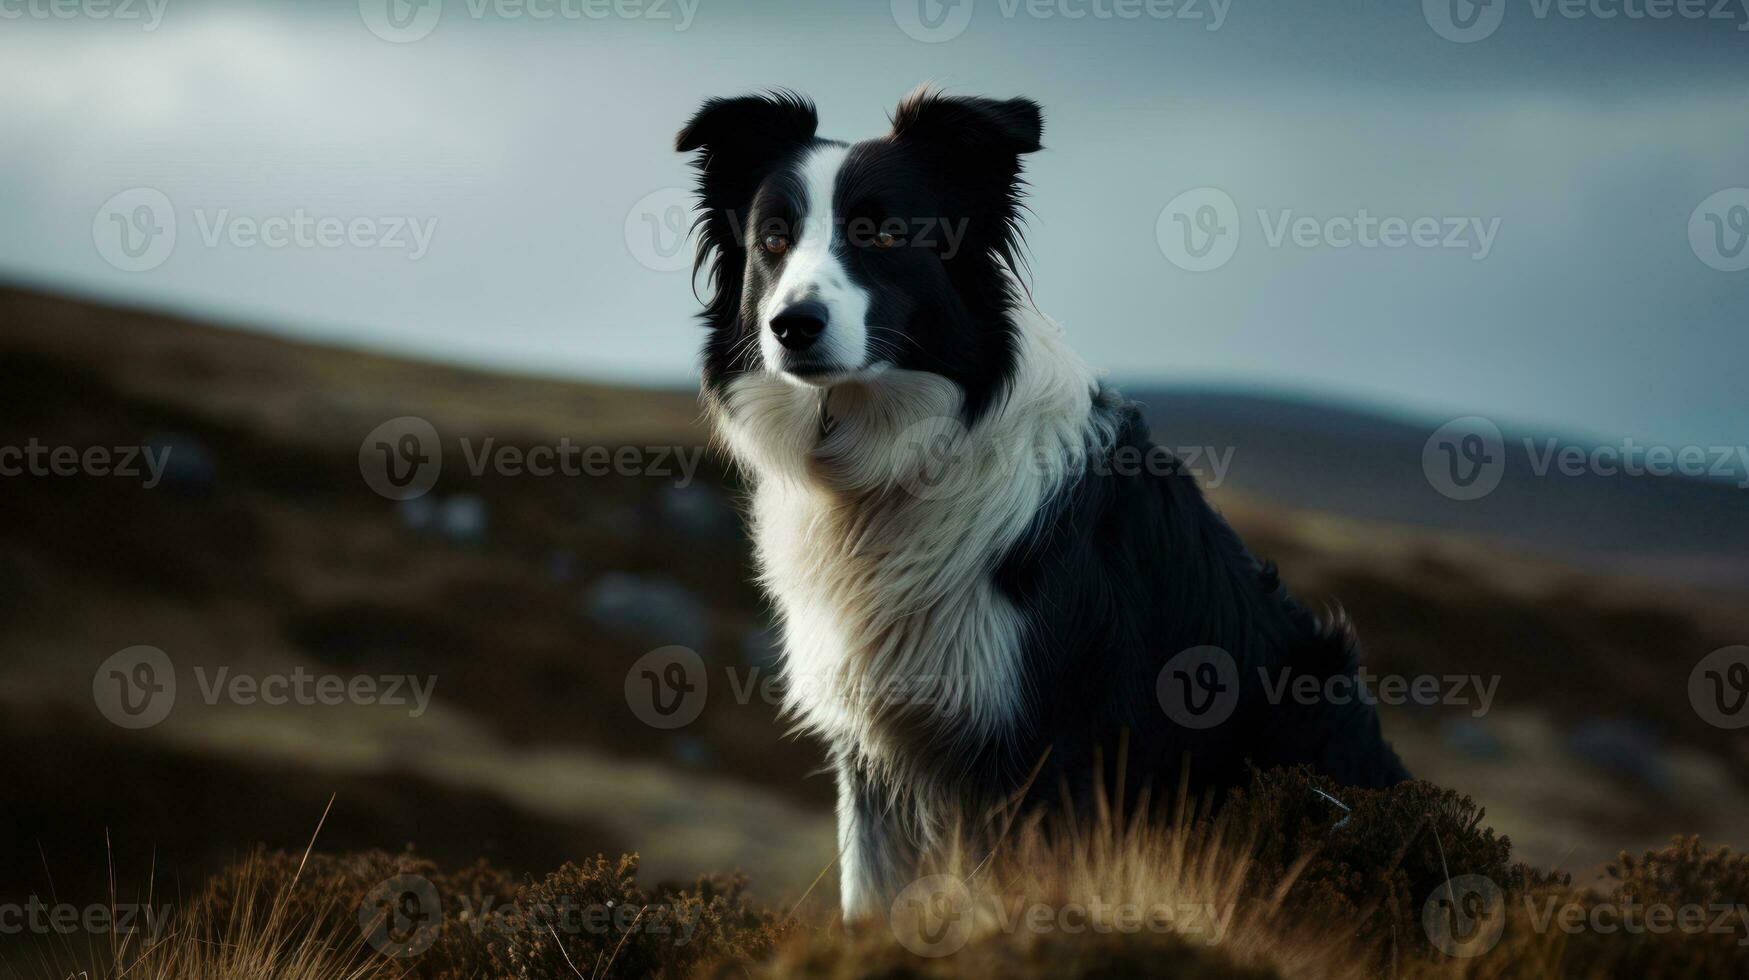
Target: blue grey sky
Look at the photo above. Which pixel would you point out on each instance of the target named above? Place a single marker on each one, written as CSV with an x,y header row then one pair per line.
x,y
499,188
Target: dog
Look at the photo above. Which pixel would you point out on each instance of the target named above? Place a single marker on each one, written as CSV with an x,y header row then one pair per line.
x,y
978,599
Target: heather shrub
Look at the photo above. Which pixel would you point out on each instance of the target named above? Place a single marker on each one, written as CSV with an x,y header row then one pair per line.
x,y
1307,888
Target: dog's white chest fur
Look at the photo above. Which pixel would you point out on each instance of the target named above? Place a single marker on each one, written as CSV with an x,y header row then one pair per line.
x,y
888,608
878,541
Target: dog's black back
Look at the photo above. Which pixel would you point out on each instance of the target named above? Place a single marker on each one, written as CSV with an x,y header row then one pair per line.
x,y
1135,568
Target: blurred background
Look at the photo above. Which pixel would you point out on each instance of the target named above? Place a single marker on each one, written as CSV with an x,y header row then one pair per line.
x,y
1446,304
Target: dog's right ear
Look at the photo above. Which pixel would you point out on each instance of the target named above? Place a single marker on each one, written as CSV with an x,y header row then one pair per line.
x,y
741,139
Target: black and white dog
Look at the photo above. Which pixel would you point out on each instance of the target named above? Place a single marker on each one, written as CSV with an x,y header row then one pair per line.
x,y
967,578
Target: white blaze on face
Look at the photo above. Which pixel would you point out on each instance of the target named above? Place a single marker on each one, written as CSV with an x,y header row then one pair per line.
x,y
812,270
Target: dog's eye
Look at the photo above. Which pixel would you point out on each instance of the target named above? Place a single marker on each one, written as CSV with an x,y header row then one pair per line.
x,y
775,244
885,240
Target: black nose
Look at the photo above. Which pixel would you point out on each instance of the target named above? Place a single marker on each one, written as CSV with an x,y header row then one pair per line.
x,y
798,326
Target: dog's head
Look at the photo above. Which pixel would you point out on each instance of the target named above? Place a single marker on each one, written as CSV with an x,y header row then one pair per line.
x,y
832,263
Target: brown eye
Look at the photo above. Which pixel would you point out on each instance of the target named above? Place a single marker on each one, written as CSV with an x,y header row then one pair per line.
x,y
776,244
885,240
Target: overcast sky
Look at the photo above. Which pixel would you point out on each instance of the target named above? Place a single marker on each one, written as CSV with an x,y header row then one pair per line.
x,y
499,187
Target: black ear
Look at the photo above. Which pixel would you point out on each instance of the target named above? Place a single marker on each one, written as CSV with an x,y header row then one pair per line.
x,y
1000,127
974,146
739,141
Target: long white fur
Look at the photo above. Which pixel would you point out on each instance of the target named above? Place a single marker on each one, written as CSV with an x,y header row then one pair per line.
x,y
877,548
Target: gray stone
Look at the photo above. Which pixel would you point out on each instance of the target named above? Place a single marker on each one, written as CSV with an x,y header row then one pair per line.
x,y
660,610
1626,748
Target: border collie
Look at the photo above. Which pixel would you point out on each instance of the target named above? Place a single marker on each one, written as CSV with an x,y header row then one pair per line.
x,y
968,578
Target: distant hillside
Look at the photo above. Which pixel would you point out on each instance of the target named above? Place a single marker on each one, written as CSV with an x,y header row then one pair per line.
x,y
1314,455
1369,466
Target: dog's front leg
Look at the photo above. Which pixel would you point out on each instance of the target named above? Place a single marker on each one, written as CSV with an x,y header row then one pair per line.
x,y
879,858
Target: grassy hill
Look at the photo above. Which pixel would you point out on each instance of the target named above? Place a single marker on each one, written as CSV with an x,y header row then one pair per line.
x,y
525,599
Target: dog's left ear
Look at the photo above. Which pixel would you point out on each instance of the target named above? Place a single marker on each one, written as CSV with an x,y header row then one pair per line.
x,y
967,125
975,145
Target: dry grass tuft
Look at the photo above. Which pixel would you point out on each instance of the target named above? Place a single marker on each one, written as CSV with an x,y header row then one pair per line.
x,y
265,930
1282,883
